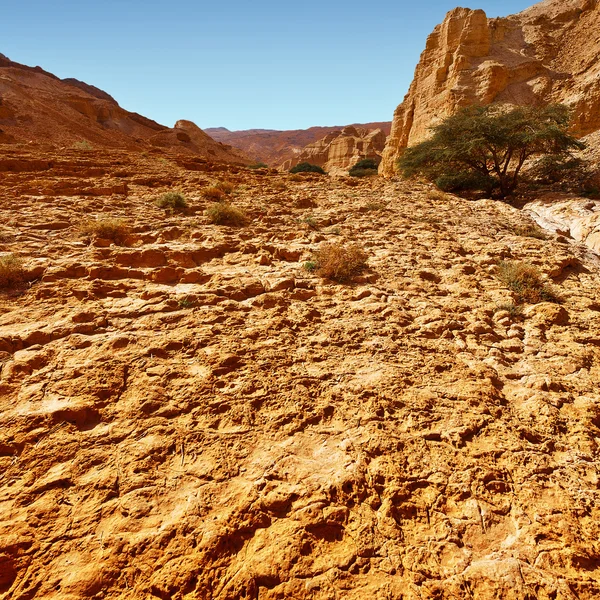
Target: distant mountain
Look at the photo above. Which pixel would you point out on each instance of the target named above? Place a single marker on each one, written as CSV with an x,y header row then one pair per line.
x,y
36,107
274,147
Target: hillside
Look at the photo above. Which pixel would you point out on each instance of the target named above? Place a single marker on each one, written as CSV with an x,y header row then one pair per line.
x,y
276,147
37,107
548,53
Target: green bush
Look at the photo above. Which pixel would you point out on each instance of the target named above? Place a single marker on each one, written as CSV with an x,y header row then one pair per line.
x,y
306,167
258,165
367,167
173,200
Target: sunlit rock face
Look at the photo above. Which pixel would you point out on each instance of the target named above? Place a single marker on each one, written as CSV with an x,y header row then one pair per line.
x,y
548,53
340,150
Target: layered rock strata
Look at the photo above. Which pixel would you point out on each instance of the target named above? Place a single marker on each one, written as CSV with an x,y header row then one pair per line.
x,y
340,150
548,53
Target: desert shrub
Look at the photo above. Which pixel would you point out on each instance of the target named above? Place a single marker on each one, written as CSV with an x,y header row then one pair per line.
x,y
486,147
525,282
186,302
225,186
11,271
112,229
367,167
258,165
339,262
82,145
221,213
172,200
214,193
531,231
306,167
515,311
311,222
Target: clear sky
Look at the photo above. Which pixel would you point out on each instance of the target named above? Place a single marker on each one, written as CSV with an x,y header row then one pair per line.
x,y
240,65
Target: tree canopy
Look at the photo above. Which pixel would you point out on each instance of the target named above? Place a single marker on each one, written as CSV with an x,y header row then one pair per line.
x,y
485,147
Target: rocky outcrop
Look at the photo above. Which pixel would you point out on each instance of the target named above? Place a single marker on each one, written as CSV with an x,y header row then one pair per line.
x,y
548,53
275,147
339,150
36,107
578,218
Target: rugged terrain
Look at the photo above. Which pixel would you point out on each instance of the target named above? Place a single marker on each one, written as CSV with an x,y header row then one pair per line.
x,y
276,147
547,53
36,107
195,415
340,150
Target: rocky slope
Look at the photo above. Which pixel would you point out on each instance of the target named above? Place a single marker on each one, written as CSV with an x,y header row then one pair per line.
x,y
276,147
194,415
340,150
548,53
37,107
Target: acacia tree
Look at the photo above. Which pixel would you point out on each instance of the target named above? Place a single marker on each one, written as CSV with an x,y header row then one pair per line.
x,y
485,147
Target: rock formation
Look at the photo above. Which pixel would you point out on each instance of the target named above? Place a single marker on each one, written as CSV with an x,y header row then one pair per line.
x,y
37,107
275,147
548,53
340,150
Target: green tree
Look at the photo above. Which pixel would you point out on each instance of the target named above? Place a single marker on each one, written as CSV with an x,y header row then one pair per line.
x,y
485,147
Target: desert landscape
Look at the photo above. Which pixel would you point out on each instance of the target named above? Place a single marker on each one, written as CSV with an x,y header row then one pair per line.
x,y
192,406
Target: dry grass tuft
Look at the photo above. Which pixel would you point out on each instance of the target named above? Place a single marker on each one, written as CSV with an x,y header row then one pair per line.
x,y
172,200
514,311
116,230
214,193
11,271
339,262
525,282
531,231
226,187
221,213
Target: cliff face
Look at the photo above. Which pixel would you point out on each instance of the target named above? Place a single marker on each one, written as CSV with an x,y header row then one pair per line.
x,y
548,53
340,150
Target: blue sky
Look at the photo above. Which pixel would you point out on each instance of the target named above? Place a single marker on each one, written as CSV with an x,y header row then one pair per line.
x,y
240,65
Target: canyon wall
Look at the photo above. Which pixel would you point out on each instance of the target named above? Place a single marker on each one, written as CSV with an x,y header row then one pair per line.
x,y
547,53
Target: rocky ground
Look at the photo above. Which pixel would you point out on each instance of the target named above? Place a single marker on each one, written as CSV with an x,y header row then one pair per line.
x,y
195,415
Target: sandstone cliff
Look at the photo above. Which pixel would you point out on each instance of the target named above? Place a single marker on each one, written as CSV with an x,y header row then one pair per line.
x,y
546,53
36,107
275,147
340,150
